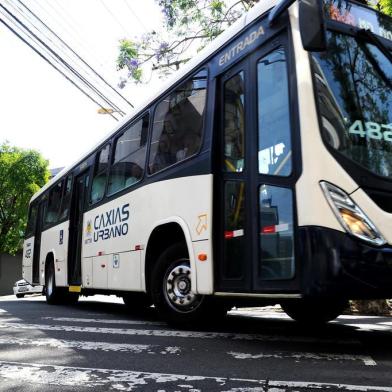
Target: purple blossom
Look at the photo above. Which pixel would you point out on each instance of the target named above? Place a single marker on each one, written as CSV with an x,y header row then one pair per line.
x,y
132,63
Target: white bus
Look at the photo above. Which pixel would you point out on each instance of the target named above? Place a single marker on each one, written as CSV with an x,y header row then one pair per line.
x,y
260,174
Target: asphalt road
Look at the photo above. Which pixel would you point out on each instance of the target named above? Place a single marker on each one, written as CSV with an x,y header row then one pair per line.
x,y
101,346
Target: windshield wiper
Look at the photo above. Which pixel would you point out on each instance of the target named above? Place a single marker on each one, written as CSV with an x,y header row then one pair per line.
x,y
366,35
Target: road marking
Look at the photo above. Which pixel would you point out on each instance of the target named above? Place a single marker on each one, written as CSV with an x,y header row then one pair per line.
x,y
85,345
125,380
103,321
368,361
177,333
371,327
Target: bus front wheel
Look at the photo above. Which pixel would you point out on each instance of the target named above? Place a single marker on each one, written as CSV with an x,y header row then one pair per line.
x,y
317,311
172,291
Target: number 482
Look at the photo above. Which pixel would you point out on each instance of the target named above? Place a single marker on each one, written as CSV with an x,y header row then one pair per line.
x,y
372,130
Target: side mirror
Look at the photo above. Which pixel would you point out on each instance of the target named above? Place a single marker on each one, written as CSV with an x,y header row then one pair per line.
x,y
312,25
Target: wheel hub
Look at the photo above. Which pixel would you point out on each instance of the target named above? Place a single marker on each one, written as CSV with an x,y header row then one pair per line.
x,y
178,288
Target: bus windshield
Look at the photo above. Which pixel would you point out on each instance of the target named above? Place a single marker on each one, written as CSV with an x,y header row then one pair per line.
x,y
353,80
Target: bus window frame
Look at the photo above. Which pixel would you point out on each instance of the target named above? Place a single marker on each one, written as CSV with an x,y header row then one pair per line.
x,y
109,143
45,225
114,140
31,233
65,179
154,107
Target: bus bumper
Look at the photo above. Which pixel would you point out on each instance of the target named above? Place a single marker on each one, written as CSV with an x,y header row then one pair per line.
x,y
333,263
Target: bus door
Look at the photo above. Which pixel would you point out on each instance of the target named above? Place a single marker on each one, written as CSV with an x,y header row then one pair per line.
x,y
37,242
78,203
256,175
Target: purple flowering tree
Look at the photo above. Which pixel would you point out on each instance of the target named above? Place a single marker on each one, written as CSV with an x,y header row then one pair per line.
x,y
188,25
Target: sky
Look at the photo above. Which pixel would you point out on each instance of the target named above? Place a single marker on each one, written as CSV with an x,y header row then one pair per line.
x,y
39,108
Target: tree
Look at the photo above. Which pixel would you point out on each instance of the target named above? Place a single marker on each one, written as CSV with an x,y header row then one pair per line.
x,y
22,173
188,25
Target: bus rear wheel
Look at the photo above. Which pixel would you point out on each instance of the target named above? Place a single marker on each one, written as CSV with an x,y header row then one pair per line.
x,y
172,290
52,293
57,295
317,311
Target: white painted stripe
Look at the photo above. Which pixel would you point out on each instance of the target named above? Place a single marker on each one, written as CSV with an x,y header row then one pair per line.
x,y
103,321
368,361
371,327
124,380
3,311
175,333
326,386
95,346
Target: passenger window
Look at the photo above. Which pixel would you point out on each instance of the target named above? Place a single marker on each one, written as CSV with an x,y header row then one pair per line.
x,y
276,233
274,115
178,123
129,157
53,207
234,123
66,198
100,171
234,234
31,222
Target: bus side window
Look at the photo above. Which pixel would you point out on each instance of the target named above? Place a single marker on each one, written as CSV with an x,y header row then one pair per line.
x,y
178,123
274,115
129,157
31,222
53,207
66,198
234,123
99,178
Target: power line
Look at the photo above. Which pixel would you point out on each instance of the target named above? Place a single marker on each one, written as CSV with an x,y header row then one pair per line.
x,y
114,17
51,64
135,15
61,60
71,26
76,54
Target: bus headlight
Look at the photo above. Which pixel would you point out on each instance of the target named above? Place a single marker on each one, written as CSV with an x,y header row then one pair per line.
x,y
350,216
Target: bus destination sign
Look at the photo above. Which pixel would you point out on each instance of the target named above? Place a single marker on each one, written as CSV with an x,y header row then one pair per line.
x,y
359,16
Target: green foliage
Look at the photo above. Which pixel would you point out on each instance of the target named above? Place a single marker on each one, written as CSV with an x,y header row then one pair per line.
x,y
386,6
188,25
128,59
22,173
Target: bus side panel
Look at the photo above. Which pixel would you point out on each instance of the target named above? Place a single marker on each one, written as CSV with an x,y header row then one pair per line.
x,y
27,262
120,230
55,240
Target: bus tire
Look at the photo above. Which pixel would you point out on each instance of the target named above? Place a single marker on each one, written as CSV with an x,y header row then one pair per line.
x,y
171,289
53,294
317,311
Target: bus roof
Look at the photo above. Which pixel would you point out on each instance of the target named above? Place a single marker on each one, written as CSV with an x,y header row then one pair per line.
x,y
256,11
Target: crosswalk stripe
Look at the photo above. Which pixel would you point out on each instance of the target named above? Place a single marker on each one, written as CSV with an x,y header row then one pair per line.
x,y
103,321
125,380
368,361
86,345
176,333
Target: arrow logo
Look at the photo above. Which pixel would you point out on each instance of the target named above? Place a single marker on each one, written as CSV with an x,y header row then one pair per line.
x,y
202,225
